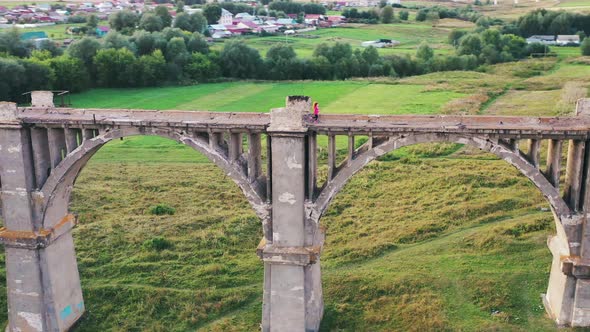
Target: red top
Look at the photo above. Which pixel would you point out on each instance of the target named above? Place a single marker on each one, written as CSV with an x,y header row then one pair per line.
x,y
316,109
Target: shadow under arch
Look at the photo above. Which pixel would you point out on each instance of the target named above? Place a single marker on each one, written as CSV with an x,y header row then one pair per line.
x,y
560,209
57,189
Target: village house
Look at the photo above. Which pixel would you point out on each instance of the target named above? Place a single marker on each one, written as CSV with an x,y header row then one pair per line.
x,y
191,11
565,40
313,19
102,31
245,17
542,39
105,6
226,17
36,37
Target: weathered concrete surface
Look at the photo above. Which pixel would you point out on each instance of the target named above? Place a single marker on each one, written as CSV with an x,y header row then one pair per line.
x,y
294,287
43,149
42,99
8,112
41,269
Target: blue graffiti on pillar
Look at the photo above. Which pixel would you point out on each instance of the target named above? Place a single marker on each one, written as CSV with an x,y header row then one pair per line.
x,y
81,306
66,312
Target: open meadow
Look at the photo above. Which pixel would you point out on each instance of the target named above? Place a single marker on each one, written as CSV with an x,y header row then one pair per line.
x,y
410,34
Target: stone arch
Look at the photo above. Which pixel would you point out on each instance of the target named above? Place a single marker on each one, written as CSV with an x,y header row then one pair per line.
x,y
560,209
55,194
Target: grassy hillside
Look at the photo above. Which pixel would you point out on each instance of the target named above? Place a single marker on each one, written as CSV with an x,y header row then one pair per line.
x,y
454,242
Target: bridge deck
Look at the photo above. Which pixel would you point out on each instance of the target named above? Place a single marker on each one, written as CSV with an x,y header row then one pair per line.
x,y
545,127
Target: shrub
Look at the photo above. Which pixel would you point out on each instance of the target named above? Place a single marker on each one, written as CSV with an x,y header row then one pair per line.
x,y
387,14
162,209
403,15
156,243
586,46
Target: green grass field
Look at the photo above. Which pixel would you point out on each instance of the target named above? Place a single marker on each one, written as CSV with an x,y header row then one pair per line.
x,y
334,97
58,31
574,3
409,33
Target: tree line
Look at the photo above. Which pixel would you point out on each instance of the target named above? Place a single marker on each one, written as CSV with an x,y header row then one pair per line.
x,y
146,54
386,14
176,56
548,22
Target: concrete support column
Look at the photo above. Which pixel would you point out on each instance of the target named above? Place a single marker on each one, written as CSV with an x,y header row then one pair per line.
x,y
41,157
534,153
254,157
573,175
235,146
87,134
57,145
553,171
513,144
292,286
568,296
558,300
312,161
331,157
43,285
71,137
350,149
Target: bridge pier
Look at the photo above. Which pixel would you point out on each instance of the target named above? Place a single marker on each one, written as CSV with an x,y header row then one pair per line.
x,y
43,284
292,287
568,294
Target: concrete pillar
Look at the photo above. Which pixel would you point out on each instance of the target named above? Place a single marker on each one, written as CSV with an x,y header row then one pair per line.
x,y
312,161
292,294
87,134
57,145
568,295
553,170
514,144
534,152
268,172
235,146
331,156
71,138
42,279
573,175
350,149
561,288
254,157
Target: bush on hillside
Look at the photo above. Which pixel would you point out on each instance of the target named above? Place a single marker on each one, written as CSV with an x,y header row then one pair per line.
x,y
157,243
162,209
585,47
403,15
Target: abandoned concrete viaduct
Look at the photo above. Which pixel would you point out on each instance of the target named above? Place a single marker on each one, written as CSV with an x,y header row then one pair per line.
x,y
43,149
